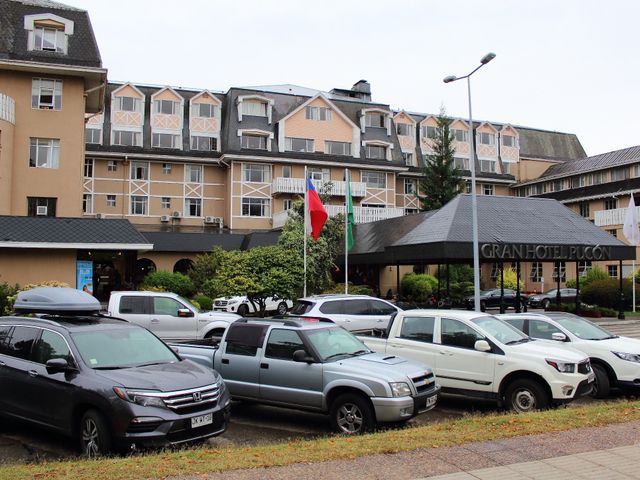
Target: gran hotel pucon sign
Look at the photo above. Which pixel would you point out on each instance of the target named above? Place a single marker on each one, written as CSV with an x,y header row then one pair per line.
x,y
534,252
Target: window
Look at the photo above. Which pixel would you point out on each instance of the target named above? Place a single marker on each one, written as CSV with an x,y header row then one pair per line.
x,y
128,104
193,173
256,207
583,209
166,306
460,135
44,153
418,328
378,307
486,138
374,179
429,132
282,344
286,171
286,204
93,135
254,108
610,203
337,148
612,270
167,168
577,181
558,185
618,174
563,271
583,267
138,205
127,138
318,113
461,163
135,304
50,40
165,140
112,166
111,200
205,144
488,189
166,107
408,158
636,170
410,186
46,94
193,207
165,202
139,171
542,329
51,345
495,271
87,203
41,206
21,342
373,205
255,142
204,110
467,186
298,145
319,174
405,129
375,119
457,334
376,151
536,272
488,166
410,211
508,140
252,172
613,232
4,334
88,167
506,167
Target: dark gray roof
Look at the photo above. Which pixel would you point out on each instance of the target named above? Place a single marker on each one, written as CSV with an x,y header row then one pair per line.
x,y
71,231
82,47
201,242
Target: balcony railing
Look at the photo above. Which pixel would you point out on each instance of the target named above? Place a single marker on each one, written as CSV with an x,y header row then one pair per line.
x,y
296,185
605,218
360,214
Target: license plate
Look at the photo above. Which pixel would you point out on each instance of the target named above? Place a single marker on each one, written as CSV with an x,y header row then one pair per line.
x,y
431,400
202,420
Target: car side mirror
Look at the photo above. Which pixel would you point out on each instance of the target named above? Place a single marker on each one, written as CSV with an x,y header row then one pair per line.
x,y
185,313
559,337
57,365
302,356
482,346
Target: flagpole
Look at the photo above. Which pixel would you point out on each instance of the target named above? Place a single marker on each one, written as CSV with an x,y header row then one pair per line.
x,y
346,232
633,282
306,207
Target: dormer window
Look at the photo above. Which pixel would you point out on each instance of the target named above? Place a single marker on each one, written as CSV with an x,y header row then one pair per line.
x,y
254,108
50,40
48,32
204,110
254,142
378,152
430,132
318,113
486,138
128,104
460,135
375,119
166,107
404,129
508,140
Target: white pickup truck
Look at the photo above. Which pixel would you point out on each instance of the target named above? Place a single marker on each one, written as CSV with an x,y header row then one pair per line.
x,y
168,315
477,355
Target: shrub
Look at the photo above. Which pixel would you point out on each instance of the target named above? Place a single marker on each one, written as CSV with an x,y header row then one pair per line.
x,y
418,287
571,283
7,297
204,302
593,274
353,289
604,293
510,279
168,282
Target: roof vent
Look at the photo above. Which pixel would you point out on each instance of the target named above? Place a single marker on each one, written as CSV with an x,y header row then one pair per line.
x,y
56,301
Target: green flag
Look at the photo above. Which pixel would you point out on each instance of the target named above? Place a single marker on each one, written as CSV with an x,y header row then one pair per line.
x,y
350,219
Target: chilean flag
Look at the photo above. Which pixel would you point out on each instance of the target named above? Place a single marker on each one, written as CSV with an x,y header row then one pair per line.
x,y
316,214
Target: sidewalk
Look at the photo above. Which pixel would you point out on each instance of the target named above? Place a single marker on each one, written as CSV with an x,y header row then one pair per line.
x,y
598,453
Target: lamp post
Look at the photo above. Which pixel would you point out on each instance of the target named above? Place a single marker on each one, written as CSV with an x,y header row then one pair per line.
x,y
474,201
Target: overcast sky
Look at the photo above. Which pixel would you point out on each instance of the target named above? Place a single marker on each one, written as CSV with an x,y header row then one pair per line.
x,y
565,65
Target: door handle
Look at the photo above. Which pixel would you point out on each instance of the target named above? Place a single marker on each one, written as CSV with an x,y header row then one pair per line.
x,y
225,361
33,373
265,366
395,346
155,320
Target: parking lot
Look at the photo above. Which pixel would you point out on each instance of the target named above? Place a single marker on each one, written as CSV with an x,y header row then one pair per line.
x,y
253,424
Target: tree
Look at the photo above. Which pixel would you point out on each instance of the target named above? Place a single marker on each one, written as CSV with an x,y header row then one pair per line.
x,y
510,279
204,267
441,181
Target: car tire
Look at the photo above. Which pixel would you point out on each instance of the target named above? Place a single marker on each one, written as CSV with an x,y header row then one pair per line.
x,y
526,395
602,385
483,306
243,310
351,414
95,437
282,308
545,303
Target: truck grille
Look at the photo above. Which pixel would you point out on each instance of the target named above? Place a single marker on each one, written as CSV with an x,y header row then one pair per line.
x,y
423,382
220,303
193,400
584,367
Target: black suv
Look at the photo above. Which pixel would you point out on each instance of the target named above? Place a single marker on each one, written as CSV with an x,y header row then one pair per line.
x,y
112,384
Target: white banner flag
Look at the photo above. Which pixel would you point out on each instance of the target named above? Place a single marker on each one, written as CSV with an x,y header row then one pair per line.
x,y
630,227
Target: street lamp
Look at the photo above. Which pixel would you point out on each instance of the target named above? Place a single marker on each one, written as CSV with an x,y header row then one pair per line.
x,y
474,202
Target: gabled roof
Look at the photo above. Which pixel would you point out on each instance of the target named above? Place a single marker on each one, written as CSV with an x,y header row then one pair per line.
x,y
164,90
329,102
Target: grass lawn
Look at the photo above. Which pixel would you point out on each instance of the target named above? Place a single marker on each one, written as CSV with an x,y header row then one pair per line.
x,y
454,432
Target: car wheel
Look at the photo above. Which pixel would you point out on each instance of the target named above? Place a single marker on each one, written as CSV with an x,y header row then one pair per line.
x,y
483,306
243,310
525,395
545,303
351,414
95,438
282,308
602,385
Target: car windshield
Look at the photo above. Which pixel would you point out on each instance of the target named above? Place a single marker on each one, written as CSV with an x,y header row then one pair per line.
x,y
121,348
500,330
336,342
583,329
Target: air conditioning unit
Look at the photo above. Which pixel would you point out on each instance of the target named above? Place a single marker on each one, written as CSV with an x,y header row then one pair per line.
x,y
100,215
213,220
165,218
41,210
176,214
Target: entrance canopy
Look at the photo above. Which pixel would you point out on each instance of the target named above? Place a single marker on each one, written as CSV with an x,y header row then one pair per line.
x,y
509,229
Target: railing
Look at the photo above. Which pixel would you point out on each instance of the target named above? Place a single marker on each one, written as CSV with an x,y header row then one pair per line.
x,y
7,108
296,185
604,218
360,214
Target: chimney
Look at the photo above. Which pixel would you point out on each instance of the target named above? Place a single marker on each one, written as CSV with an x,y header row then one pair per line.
x,y
361,89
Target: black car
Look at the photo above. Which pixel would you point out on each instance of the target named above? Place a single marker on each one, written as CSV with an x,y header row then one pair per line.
x,y
111,384
543,300
491,298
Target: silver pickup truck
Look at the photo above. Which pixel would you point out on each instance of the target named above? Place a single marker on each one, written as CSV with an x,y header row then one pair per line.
x,y
317,366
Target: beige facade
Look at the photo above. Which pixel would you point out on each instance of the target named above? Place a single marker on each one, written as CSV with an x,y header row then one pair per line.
x,y
7,133
24,266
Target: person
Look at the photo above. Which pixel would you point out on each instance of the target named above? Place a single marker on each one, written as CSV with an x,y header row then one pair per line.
x,y
85,288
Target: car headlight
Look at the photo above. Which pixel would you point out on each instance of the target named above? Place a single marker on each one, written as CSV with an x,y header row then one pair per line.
x,y
400,389
562,367
140,397
629,357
